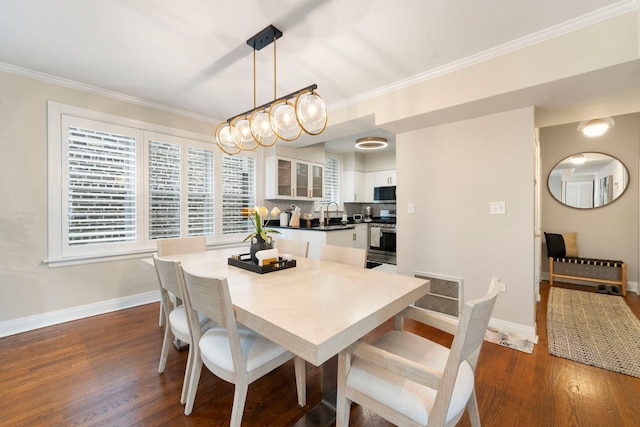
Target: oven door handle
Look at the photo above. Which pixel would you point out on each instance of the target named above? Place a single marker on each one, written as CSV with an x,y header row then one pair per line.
x,y
388,231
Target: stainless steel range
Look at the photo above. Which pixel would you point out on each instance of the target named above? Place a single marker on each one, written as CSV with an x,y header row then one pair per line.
x,y
382,238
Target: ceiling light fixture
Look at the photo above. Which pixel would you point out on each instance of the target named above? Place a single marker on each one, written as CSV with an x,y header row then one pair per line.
x,y
595,127
284,118
371,143
578,159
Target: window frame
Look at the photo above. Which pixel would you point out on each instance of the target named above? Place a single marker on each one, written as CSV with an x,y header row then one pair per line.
x,y
57,253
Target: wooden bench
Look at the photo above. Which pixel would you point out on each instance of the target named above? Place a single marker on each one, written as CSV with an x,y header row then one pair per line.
x,y
587,267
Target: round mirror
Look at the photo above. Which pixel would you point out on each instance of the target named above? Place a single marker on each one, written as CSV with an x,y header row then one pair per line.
x,y
588,180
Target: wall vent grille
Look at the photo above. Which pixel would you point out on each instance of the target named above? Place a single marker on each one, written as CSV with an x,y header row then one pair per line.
x,y
445,294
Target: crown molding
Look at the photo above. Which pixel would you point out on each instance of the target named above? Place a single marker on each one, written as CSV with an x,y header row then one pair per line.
x,y
600,15
72,84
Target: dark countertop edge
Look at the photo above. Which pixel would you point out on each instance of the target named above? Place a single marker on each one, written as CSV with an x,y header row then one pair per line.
x,y
346,227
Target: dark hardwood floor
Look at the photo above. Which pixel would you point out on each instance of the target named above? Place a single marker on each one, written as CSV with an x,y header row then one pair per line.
x,y
103,371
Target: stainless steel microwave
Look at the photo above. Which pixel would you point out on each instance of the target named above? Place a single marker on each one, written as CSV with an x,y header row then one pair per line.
x,y
384,194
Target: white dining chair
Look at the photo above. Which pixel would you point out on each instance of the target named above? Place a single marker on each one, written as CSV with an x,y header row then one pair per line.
x,y
176,322
176,246
412,381
293,247
230,351
344,255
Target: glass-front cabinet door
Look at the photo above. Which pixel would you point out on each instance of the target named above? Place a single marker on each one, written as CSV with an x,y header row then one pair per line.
x,y
316,181
284,177
292,179
302,180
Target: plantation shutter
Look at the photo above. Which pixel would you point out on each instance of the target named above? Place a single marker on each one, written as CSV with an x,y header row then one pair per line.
x,y
164,190
200,184
238,191
332,180
101,187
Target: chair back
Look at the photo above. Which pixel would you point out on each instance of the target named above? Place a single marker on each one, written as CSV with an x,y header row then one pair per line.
x,y
181,245
293,247
344,255
466,345
211,297
168,275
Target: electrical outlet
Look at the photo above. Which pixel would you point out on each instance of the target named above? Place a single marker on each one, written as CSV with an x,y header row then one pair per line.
x,y
503,287
497,208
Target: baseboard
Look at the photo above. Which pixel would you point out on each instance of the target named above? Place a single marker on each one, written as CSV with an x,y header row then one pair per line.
x,y
37,321
510,327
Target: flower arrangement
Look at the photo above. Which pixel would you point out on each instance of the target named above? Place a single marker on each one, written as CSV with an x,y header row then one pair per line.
x,y
257,217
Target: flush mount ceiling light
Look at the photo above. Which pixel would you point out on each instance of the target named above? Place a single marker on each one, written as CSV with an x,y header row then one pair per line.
x,y
371,143
578,159
595,127
284,118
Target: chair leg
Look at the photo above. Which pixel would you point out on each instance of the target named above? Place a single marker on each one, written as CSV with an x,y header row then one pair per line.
x,y
472,408
194,379
187,376
161,319
239,399
301,380
343,405
166,343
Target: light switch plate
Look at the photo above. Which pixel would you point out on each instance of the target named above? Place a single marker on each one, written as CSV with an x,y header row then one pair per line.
x,y
411,208
497,208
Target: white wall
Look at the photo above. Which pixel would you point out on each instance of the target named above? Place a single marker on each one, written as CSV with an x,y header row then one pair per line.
x,y
28,287
451,173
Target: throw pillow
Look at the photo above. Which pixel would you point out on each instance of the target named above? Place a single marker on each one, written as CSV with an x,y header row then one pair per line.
x,y
570,244
555,245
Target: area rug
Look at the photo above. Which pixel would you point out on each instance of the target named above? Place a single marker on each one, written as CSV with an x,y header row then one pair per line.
x,y
594,329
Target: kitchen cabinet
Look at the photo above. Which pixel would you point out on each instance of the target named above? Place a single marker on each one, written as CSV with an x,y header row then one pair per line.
x,y
293,179
350,237
361,235
354,187
383,178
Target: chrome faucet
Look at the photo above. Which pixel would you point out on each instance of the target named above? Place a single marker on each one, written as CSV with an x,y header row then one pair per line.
x,y
326,218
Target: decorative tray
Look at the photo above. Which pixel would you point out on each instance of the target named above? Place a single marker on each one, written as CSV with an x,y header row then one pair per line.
x,y
244,261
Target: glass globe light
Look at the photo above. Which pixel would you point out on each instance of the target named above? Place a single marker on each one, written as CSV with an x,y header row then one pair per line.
x,y
261,128
224,138
243,138
311,112
283,120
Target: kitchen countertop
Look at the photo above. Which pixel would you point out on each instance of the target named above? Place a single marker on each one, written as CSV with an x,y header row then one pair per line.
x,y
332,227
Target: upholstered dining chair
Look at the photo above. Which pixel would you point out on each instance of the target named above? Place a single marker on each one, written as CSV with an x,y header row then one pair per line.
x,y
412,381
176,322
230,351
176,246
293,247
344,255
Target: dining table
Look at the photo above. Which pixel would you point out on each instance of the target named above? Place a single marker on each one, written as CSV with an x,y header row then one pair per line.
x,y
315,309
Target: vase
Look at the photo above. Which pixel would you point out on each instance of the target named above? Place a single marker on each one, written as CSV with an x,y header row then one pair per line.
x,y
259,244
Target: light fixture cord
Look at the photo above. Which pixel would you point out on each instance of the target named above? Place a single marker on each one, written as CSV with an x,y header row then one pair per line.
x,y
274,67
255,97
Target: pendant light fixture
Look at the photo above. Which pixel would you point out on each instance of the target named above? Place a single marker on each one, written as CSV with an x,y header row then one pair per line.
x,y
284,118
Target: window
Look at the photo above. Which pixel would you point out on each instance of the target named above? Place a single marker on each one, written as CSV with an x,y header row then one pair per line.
x,y
331,179
116,186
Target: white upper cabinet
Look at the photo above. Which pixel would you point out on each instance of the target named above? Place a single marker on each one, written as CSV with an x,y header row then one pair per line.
x,y
292,179
385,178
354,188
373,179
